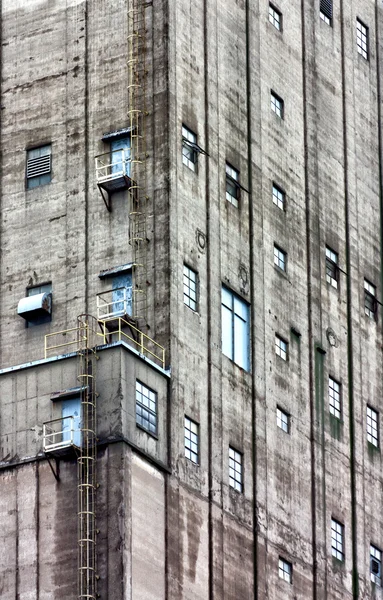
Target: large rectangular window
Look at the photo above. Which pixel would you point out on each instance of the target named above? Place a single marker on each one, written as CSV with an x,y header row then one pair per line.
x,y
232,185
235,329
189,148
275,17
326,11
191,440
285,570
370,304
334,398
146,408
362,39
332,268
235,469
337,539
372,426
39,166
376,565
277,105
190,288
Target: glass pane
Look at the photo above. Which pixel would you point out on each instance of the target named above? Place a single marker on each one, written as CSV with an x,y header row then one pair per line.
x,y
227,332
241,343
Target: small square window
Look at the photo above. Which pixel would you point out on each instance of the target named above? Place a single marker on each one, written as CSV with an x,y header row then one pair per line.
x,y
283,420
280,347
277,105
332,269
191,440
279,197
190,288
285,570
370,304
189,148
146,408
235,469
362,39
232,185
337,537
275,17
39,166
376,565
334,398
280,258
372,426
326,11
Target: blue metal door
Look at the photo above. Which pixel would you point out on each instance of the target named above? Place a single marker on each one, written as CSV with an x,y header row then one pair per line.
x,y
122,289
121,160
72,408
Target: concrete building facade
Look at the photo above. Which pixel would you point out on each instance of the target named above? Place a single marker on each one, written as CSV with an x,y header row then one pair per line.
x,y
201,182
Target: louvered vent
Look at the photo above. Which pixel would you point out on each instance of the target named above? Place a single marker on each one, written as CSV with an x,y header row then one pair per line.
x,y
39,166
326,8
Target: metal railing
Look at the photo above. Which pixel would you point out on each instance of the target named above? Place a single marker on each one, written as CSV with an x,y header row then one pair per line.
x,y
144,344
112,165
60,433
114,303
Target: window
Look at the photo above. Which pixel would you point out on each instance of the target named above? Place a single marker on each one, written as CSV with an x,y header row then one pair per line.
x,y
235,329
280,347
337,535
372,426
275,17
42,316
362,39
277,105
280,258
334,398
235,469
283,420
376,565
190,148
285,570
232,185
326,11
191,440
39,166
190,288
146,408
370,304
332,269
278,197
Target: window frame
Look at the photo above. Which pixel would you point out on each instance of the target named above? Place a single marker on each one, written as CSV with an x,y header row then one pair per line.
x,y
277,105
39,180
370,297
235,475
332,268
273,20
186,287
147,408
374,440
241,349
190,145
194,455
335,398
377,579
279,197
232,179
279,351
337,540
280,258
326,11
285,570
362,45
283,424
